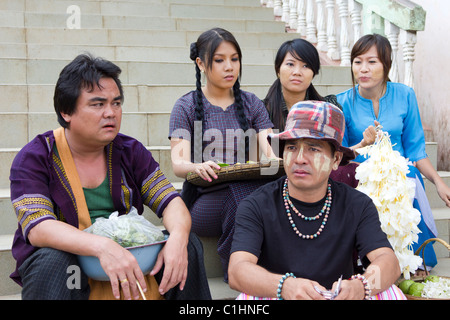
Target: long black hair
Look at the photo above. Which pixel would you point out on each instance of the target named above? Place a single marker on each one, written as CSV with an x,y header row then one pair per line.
x,y
302,50
204,48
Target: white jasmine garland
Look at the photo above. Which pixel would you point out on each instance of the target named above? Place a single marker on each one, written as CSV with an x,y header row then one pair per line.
x,y
439,289
383,177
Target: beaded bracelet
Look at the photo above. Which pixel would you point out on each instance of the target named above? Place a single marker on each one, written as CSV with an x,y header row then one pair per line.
x,y
280,284
367,290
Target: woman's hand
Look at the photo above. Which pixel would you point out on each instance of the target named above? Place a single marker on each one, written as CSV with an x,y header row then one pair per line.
x,y
369,135
206,171
444,192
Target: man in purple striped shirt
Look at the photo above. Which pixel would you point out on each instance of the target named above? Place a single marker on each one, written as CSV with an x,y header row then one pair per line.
x,y
88,103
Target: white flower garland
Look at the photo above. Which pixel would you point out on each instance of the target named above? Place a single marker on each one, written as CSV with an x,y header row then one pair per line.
x,y
383,178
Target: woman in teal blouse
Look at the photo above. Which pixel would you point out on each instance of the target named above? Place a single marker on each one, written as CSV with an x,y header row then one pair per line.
x,y
375,100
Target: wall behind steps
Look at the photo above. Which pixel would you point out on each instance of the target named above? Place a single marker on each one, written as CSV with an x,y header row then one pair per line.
x,y
431,71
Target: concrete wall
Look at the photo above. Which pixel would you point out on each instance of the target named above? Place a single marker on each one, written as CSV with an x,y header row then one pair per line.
x,y
431,72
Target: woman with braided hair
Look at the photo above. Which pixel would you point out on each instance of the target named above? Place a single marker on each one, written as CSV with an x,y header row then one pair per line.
x,y
217,123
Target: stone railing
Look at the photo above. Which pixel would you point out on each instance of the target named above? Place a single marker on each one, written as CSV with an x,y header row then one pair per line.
x,y
335,25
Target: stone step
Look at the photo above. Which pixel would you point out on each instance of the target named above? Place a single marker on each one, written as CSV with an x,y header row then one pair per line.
x,y
22,98
176,21
46,71
154,8
19,71
118,53
117,37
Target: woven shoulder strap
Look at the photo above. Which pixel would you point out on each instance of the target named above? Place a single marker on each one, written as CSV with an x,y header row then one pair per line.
x,y
84,220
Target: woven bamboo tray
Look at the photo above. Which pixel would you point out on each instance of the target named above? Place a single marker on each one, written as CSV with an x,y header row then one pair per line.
x,y
241,171
420,251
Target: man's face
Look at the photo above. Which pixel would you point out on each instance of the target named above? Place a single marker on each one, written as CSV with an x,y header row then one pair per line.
x,y
308,164
98,114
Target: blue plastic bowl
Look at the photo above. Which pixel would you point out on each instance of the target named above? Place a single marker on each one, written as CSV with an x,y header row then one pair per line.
x,y
145,255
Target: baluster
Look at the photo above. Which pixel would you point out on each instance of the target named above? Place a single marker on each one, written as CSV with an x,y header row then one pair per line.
x,y
293,14
392,32
355,9
277,8
333,52
409,40
301,20
310,24
321,28
345,41
285,15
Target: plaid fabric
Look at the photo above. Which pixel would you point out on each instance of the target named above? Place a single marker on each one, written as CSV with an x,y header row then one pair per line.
x,y
316,120
45,277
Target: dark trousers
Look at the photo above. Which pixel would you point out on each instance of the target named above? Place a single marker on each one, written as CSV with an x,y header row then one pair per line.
x,y
49,274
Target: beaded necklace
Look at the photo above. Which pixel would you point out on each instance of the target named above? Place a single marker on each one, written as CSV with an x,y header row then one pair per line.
x,y
289,205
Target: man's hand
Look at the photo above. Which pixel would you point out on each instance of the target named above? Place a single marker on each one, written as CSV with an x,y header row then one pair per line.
x,y
301,289
122,269
174,258
350,290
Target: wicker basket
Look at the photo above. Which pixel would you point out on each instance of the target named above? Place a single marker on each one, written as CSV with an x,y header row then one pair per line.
x,y
241,171
420,251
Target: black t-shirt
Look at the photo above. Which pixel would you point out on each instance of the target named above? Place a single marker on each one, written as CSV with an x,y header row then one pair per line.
x,y
263,229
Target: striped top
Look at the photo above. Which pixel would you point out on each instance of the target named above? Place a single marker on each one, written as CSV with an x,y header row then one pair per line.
x,y
223,138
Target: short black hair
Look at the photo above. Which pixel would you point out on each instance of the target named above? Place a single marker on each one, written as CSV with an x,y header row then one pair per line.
x,y
84,72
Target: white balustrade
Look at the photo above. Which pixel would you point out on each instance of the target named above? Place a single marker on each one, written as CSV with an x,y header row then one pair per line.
x,y
335,25
333,52
311,30
321,26
301,17
409,40
293,14
355,9
286,9
277,8
345,41
392,32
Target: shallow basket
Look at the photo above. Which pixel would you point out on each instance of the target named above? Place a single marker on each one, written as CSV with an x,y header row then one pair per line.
x,y
420,251
145,255
241,171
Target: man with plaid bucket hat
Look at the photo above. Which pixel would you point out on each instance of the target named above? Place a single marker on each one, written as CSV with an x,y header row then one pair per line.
x,y
295,237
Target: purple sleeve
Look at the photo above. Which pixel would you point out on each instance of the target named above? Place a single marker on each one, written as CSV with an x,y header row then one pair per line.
x,y
30,190
156,189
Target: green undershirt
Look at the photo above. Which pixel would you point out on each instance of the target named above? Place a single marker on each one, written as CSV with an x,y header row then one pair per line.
x,y
99,201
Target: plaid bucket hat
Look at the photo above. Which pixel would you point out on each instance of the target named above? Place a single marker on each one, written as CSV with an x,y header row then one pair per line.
x,y
315,120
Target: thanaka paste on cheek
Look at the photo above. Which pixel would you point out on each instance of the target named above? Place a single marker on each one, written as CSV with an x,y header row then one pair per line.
x,y
288,156
321,163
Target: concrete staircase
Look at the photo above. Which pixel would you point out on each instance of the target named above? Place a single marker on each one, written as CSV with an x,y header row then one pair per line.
x,y
149,40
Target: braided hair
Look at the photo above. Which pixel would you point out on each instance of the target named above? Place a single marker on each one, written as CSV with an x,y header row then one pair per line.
x,y
205,47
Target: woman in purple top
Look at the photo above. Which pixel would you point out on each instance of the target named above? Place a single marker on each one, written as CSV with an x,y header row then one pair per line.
x,y
217,123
